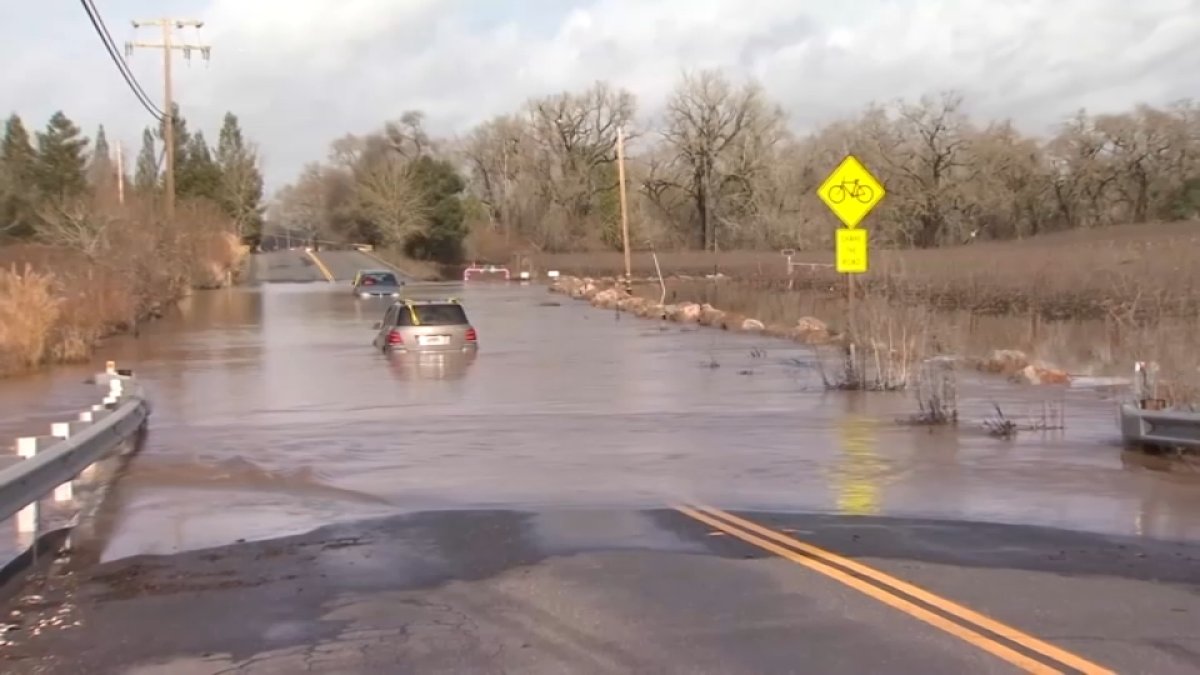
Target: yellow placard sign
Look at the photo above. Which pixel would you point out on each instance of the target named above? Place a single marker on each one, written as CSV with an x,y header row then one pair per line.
x,y
851,192
851,251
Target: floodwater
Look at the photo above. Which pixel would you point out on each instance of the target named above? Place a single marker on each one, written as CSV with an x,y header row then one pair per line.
x,y
273,415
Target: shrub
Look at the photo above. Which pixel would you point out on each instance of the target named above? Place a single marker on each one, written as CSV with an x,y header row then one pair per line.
x,y
29,309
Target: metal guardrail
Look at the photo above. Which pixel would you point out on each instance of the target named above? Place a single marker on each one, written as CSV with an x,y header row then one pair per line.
x,y
1160,428
53,463
1147,421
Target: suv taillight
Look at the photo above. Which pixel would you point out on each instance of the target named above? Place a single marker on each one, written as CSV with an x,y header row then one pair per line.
x,y
472,336
394,337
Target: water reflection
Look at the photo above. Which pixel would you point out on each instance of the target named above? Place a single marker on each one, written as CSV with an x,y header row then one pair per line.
x,y
430,365
858,471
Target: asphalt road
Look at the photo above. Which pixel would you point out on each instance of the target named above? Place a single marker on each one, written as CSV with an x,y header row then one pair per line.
x,y
301,266
588,591
526,528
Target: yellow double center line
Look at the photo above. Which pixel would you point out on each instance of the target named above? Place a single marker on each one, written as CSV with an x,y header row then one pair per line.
x,y
970,627
321,266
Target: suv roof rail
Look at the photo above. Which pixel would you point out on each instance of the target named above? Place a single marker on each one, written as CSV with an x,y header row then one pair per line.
x,y
410,301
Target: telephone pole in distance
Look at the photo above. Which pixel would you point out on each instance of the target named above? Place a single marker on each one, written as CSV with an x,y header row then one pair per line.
x,y
168,45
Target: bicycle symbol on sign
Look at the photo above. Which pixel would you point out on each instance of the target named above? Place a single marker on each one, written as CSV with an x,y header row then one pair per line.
x,y
852,189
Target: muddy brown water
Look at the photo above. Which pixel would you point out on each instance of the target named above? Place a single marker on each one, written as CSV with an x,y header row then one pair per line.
x,y
273,415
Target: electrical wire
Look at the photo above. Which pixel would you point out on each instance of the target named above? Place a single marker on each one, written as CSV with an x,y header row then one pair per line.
x,y
122,66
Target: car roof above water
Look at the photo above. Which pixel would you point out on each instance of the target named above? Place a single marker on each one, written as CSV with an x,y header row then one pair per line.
x,y
441,316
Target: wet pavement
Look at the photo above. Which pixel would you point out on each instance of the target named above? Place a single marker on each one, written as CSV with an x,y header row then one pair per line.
x,y
274,416
621,591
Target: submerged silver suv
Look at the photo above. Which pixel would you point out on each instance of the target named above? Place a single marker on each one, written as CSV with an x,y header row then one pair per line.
x,y
426,326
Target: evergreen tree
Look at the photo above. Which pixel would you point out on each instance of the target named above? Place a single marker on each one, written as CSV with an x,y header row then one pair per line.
x,y
61,159
16,150
442,188
18,180
101,171
241,180
145,177
182,139
196,174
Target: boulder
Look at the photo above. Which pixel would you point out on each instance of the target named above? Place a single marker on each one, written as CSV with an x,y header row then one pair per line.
x,y
1005,361
688,312
778,330
753,325
589,291
710,316
606,299
811,331
730,321
632,303
1036,374
810,324
651,310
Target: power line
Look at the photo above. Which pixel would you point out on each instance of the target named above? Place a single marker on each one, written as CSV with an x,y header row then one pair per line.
x,y
168,46
111,46
122,66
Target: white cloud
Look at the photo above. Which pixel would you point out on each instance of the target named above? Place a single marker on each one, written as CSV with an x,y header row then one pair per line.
x,y
301,72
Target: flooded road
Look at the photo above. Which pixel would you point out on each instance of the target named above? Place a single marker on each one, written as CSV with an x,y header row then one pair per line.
x,y
324,507
274,416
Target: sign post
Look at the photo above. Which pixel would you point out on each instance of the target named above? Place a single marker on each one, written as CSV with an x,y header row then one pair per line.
x,y
851,192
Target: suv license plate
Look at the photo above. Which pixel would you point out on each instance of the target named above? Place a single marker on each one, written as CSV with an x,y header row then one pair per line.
x,y
433,340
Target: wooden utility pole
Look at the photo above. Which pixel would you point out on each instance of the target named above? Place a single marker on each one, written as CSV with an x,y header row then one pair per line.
x,y
120,174
167,45
624,207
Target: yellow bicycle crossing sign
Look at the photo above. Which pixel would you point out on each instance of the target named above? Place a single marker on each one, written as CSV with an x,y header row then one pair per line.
x,y
851,192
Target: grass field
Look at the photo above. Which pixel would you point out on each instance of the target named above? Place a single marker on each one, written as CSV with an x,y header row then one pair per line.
x,y
1090,301
1127,272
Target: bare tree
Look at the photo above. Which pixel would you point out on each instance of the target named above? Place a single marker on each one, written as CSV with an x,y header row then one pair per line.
x,y
300,207
716,131
575,140
725,172
1010,193
494,152
387,195
76,224
1083,171
407,136
926,150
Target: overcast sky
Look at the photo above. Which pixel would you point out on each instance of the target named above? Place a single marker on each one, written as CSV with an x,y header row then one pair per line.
x,y
302,72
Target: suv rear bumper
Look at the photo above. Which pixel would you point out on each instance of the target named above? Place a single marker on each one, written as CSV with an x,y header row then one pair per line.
x,y
404,349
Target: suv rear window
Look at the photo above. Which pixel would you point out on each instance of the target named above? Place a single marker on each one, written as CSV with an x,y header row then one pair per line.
x,y
439,314
382,278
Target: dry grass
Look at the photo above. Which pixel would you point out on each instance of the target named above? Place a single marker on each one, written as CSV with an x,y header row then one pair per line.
x,y
881,350
423,270
1092,302
1171,345
1089,301
143,266
29,310
1145,271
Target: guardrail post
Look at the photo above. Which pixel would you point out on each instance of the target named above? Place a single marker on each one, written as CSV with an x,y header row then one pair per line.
x,y
115,390
90,417
66,491
27,518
